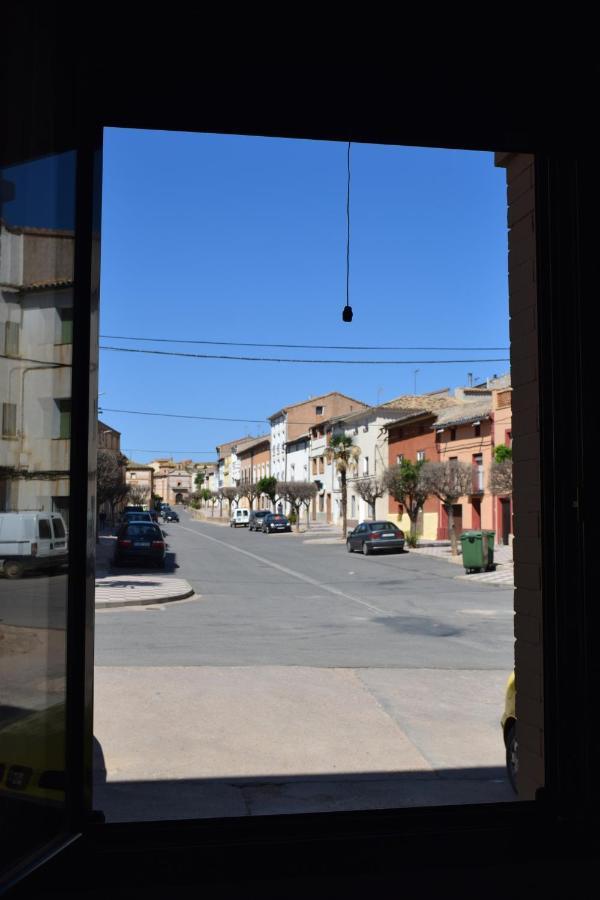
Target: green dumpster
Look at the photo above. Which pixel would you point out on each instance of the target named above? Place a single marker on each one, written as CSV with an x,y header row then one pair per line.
x,y
478,550
491,539
474,550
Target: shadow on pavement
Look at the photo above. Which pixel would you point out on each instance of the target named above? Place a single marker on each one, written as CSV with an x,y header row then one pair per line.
x,y
122,801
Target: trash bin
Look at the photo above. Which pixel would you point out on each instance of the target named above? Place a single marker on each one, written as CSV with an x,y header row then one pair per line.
x,y
474,550
491,539
478,551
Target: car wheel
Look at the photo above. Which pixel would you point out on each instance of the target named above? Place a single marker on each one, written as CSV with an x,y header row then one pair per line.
x,y
349,547
160,564
366,549
13,569
512,757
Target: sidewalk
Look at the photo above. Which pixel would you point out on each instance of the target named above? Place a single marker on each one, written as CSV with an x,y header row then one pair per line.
x,y
114,590
503,558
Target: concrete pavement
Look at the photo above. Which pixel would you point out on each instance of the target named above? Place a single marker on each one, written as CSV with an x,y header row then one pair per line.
x,y
304,679
131,587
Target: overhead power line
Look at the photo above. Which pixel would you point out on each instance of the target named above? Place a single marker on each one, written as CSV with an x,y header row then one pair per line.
x,y
339,362
128,337
146,450
137,412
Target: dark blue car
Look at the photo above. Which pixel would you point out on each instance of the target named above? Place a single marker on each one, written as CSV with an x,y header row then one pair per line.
x,y
141,542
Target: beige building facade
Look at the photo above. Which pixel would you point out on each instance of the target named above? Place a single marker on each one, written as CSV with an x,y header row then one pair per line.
x,y
36,336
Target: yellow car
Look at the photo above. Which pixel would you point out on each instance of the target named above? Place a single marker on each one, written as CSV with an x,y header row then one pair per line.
x,y
32,765
509,730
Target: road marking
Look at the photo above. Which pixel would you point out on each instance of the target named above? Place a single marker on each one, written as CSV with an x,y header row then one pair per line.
x,y
292,572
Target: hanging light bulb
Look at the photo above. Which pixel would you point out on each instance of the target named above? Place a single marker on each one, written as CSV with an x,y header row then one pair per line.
x,y
347,311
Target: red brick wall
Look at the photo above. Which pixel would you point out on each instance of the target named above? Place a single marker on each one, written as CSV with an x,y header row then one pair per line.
x,y
526,468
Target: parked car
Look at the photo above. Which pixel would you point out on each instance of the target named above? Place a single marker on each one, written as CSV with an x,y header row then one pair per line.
x,y
129,509
140,541
256,519
239,517
143,516
275,522
370,536
169,515
31,540
509,731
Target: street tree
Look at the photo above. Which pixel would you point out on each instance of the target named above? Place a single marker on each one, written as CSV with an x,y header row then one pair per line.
x,y
232,495
111,487
448,481
250,490
344,453
268,486
138,495
298,494
369,490
206,495
216,497
500,478
199,479
405,484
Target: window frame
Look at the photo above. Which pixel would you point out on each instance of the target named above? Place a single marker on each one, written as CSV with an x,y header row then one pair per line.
x,y
563,271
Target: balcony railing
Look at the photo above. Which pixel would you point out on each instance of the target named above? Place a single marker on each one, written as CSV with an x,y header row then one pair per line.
x,y
477,481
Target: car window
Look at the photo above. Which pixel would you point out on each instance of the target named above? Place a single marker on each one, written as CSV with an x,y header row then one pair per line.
x,y
59,528
362,529
382,526
139,529
44,528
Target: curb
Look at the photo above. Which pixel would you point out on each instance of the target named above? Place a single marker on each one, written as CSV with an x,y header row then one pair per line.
x,y
147,601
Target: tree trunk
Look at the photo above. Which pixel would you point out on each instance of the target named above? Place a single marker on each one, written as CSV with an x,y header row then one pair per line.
x,y
451,530
298,508
413,516
344,503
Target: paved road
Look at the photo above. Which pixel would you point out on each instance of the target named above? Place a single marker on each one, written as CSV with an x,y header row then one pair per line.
x,y
301,678
278,600
38,600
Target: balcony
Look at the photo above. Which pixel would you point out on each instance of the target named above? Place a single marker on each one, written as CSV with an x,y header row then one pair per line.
x,y
477,485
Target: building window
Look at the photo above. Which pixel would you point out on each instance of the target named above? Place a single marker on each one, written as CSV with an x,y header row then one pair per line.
x,y
314,465
63,421
365,465
399,459
477,430
65,326
508,438
353,511
420,456
319,410
321,503
11,338
453,434
321,465
9,420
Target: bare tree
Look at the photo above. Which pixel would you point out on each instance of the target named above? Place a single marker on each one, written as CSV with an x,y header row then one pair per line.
x,y
110,478
369,490
344,453
138,494
500,480
406,486
251,491
298,494
448,481
232,495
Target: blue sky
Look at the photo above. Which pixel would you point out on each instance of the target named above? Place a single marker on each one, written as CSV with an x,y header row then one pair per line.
x,y
231,238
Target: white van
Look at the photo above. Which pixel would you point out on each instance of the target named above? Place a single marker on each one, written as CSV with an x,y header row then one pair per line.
x,y
31,540
239,517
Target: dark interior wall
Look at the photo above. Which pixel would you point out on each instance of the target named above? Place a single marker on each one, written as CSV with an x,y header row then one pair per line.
x,y
58,86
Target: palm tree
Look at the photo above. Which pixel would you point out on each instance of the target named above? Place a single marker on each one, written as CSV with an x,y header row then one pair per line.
x,y
344,453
